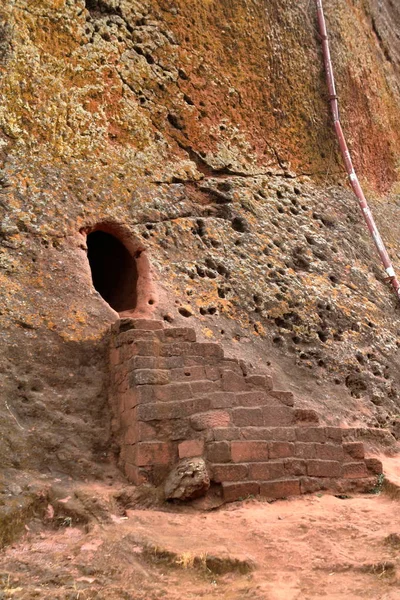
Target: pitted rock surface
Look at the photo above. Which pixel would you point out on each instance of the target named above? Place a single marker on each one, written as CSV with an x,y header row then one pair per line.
x,y
203,129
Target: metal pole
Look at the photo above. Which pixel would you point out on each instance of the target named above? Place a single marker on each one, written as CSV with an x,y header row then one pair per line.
x,y
355,184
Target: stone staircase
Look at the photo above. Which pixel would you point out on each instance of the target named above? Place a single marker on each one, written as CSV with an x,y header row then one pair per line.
x,y
173,397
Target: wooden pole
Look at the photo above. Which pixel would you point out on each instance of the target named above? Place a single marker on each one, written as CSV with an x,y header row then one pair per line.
x,y
355,184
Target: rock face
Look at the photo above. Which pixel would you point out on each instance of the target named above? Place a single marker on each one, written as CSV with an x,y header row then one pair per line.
x,y
188,480
197,134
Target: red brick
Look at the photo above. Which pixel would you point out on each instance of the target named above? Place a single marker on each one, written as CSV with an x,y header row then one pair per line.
x,y
311,434
191,361
147,324
190,448
175,349
374,465
222,400
184,333
121,325
245,417
277,416
149,377
259,381
240,491
218,452
323,468
279,434
126,353
145,348
170,362
132,336
284,397
144,393
172,429
188,373
212,373
334,433
265,471
354,449
171,410
173,392
281,449
226,433
354,470
305,416
304,450
295,466
254,398
143,362
135,475
361,485
232,382
207,350
211,419
204,387
329,452
154,453
230,364
280,489
229,472
310,485
249,451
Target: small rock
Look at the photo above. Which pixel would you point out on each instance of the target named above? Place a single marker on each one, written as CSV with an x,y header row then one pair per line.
x,y
377,399
15,489
188,479
396,429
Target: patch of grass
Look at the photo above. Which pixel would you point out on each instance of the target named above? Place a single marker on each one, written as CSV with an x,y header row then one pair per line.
x,y
393,540
206,563
378,487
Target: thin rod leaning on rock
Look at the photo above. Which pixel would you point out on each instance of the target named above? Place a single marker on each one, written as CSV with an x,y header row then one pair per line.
x,y
355,184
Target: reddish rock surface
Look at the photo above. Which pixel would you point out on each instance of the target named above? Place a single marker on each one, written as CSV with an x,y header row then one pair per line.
x,y
198,135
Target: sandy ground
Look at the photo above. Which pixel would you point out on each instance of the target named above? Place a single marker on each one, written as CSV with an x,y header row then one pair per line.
x,y
306,548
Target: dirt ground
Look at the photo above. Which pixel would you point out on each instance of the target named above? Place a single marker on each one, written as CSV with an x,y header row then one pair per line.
x,y
298,549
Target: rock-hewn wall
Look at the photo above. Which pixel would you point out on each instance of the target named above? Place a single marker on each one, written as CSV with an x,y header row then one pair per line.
x,y
203,128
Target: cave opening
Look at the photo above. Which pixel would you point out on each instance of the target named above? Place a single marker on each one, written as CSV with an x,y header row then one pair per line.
x,y
114,270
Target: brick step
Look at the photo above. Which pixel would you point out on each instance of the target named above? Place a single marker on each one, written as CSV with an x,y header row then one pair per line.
x,y
285,488
279,434
289,467
180,333
196,373
272,489
260,450
126,323
371,434
136,335
306,417
262,382
174,397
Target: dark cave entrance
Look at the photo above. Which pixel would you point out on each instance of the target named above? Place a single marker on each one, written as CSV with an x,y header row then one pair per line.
x,y
114,270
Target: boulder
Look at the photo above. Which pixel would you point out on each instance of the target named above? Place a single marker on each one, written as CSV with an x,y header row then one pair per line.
x,y
188,479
